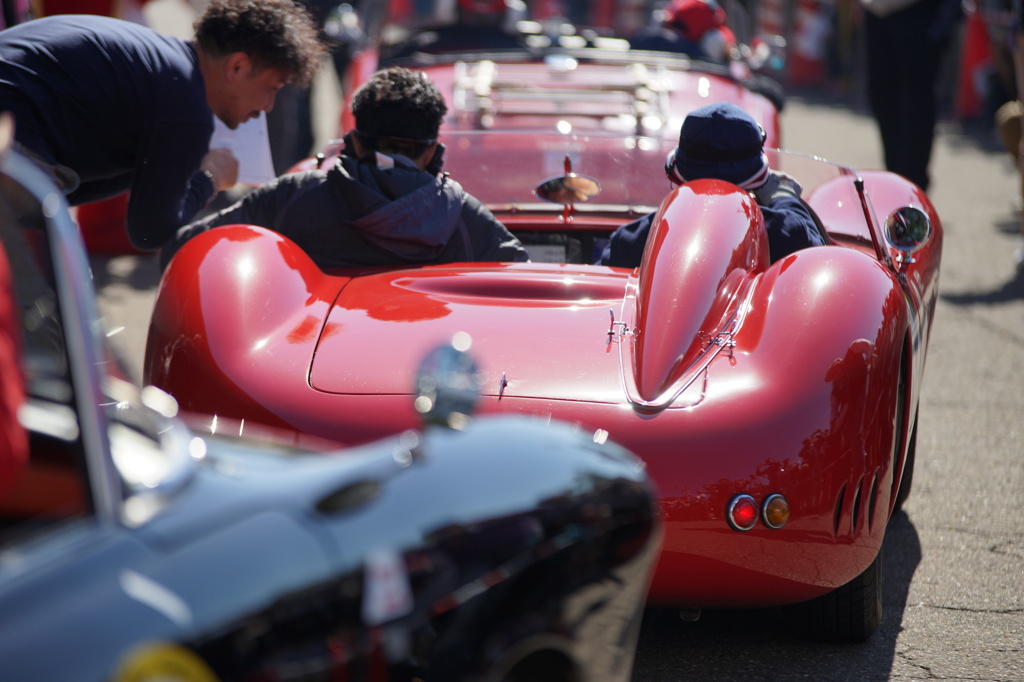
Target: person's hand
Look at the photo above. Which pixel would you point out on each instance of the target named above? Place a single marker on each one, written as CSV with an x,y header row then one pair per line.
x,y
223,166
778,183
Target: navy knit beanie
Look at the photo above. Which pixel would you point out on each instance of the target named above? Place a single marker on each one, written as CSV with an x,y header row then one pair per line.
x,y
720,141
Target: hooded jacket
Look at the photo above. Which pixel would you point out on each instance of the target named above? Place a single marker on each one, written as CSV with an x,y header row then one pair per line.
x,y
383,210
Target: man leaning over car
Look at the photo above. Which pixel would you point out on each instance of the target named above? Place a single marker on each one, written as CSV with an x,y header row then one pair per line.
x,y
107,106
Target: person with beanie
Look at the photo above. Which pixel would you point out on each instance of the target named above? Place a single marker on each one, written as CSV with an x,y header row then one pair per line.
x,y
384,201
724,142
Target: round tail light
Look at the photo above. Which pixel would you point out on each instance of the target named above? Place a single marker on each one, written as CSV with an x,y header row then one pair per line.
x,y
743,512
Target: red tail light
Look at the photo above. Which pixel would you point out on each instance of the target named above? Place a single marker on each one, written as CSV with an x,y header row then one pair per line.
x,y
743,512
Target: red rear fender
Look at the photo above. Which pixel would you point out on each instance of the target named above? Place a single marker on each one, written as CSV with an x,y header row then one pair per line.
x,y
824,335
240,301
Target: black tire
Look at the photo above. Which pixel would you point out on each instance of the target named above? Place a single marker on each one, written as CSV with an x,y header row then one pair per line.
x,y
847,615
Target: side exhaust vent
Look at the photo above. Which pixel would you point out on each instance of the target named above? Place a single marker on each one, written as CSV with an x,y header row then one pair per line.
x,y
872,500
839,511
855,510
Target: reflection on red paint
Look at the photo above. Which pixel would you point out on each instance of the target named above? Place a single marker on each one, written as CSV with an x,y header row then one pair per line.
x,y
304,331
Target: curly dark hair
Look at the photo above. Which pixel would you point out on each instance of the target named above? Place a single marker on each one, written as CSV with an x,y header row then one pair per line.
x,y
398,105
275,33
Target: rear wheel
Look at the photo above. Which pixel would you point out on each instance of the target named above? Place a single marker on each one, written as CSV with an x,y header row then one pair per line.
x,y
848,614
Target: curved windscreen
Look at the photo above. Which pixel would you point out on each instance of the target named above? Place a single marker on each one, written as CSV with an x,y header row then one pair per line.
x,y
503,168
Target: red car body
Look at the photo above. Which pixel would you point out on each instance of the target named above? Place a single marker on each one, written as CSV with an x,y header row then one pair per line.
x,y
594,85
727,374
584,91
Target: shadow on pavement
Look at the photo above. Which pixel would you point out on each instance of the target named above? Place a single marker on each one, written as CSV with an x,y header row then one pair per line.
x,y
756,645
1011,290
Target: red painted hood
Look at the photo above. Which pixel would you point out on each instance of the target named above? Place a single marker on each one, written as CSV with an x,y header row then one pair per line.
x,y
543,327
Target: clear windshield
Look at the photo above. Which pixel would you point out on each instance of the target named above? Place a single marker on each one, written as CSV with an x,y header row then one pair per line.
x,y
502,169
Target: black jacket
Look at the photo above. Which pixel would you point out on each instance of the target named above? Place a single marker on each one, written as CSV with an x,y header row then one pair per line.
x,y
787,220
120,105
381,211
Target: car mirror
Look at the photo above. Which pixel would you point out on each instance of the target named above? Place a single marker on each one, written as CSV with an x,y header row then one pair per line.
x,y
568,189
908,229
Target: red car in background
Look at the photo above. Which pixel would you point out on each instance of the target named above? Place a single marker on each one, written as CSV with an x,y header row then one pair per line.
x,y
538,71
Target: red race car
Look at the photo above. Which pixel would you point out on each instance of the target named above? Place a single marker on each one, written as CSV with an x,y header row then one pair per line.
x,y
774,405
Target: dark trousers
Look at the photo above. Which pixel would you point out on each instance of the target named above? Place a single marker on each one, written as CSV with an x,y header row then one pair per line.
x,y
904,58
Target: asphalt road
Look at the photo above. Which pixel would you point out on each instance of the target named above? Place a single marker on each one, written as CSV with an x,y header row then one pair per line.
x,y
954,559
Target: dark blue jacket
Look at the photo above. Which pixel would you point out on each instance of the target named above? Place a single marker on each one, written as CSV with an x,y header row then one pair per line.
x,y
787,220
118,103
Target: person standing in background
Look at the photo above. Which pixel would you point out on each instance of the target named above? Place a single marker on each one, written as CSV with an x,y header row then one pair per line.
x,y
698,28
1010,120
906,42
344,28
